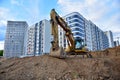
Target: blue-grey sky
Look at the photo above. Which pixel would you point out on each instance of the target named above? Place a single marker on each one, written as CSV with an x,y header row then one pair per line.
x,y
104,13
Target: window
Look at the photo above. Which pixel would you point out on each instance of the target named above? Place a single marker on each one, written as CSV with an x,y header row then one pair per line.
x,y
77,33
10,36
70,25
60,33
77,16
79,21
40,22
67,19
70,21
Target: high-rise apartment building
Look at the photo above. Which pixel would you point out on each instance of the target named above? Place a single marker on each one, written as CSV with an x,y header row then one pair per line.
x,y
88,35
15,40
30,41
99,39
42,37
62,37
110,38
76,23
39,38
93,36
116,43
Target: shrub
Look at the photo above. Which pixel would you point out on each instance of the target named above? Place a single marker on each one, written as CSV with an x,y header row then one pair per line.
x,y
1,52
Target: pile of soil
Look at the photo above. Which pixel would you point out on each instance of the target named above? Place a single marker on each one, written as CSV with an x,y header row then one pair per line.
x,y
72,68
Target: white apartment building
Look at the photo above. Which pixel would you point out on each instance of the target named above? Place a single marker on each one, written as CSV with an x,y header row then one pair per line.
x,y
62,38
39,38
99,39
30,41
110,38
77,25
88,35
93,36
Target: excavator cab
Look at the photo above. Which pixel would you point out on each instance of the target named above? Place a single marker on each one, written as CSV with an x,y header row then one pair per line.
x,y
79,43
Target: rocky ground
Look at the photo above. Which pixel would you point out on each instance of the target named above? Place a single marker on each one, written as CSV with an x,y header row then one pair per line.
x,y
105,65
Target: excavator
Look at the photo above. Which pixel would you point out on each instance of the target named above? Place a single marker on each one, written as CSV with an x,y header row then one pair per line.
x,y
58,51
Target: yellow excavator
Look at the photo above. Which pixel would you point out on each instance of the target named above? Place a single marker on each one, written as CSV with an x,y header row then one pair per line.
x,y
58,51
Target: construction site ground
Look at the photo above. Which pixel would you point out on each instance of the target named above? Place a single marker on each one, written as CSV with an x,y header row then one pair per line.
x,y
105,65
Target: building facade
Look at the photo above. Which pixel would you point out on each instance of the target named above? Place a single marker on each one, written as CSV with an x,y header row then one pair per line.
x,y
39,38
42,37
116,43
99,39
62,38
30,41
110,38
76,23
88,35
93,36
15,40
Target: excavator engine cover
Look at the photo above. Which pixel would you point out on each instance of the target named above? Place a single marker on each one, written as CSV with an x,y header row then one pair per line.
x,y
58,53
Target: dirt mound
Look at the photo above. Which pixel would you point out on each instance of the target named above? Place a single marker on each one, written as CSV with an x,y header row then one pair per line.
x,y
72,68
110,52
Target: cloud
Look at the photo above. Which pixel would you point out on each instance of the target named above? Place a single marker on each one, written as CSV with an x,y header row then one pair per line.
x,y
30,14
31,10
5,14
15,2
1,45
105,14
87,8
3,21
2,33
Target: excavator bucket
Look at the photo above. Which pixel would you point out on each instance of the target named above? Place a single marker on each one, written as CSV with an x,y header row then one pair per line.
x,y
58,53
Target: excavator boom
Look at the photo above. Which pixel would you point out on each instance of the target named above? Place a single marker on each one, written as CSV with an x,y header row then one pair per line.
x,y
55,21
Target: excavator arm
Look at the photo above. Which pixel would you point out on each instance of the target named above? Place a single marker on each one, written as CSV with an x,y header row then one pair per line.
x,y
55,21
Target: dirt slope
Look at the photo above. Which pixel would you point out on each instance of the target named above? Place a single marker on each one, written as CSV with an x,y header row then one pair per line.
x,y
49,68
